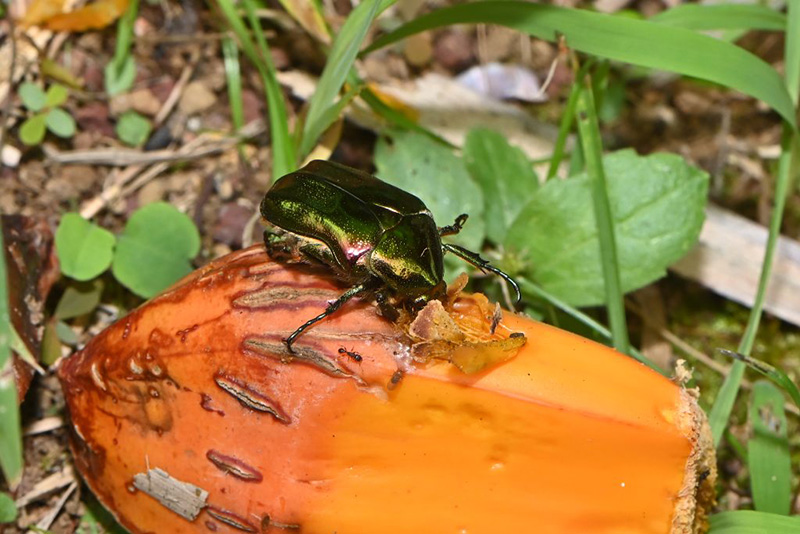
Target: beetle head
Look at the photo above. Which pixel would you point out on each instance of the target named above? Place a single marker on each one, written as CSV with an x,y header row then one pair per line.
x,y
408,259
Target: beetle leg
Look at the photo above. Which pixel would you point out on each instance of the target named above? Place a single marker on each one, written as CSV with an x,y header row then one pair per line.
x,y
387,310
454,228
474,259
332,308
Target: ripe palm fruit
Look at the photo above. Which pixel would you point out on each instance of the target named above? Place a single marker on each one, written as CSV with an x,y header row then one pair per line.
x,y
190,416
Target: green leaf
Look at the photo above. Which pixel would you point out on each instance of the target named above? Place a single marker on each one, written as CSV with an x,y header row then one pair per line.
x,y
32,130
120,73
133,129
84,249
79,299
768,451
638,42
505,175
10,430
750,522
340,59
120,78
154,250
66,334
722,17
51,345
32,96
657,207
8,510
60,123
56,95
438,177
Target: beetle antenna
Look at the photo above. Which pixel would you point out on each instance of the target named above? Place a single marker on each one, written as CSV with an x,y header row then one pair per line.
x,y
474,259
454,228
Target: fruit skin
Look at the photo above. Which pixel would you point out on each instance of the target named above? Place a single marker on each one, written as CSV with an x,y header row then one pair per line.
x,y
568,436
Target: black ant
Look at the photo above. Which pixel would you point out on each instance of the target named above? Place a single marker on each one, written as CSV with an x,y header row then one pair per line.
x,y
354,355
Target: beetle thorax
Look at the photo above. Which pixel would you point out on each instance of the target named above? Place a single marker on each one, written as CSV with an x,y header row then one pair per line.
x,y
408,257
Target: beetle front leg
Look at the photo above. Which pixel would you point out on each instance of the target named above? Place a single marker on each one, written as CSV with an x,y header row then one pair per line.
x,y
332,308
454,228
475,259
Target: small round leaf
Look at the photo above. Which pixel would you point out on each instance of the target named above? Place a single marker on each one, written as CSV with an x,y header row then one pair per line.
x,y
56,95
32,130
32,96
60,123
84,249
154,250
8,510
133,129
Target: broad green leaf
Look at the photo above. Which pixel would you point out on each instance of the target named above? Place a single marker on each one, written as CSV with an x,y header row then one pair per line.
x,y
56,95
32,96
340,59
10,430
750,522
505,175
133,129
438,177
60,123
722,17
120,78
643,43
8,510
32,130
79,299
768,451
154,250
84,249
657,207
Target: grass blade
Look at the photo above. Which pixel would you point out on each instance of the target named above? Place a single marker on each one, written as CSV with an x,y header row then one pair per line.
x,y
589,131
233,75
308,13
643,43
778,377
720,412
340,60
567,119
283,153
398,119
768,451
10,429
750,522
722,17
284,159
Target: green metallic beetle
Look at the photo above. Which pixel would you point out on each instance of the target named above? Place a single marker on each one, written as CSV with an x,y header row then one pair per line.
x,y
378,238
